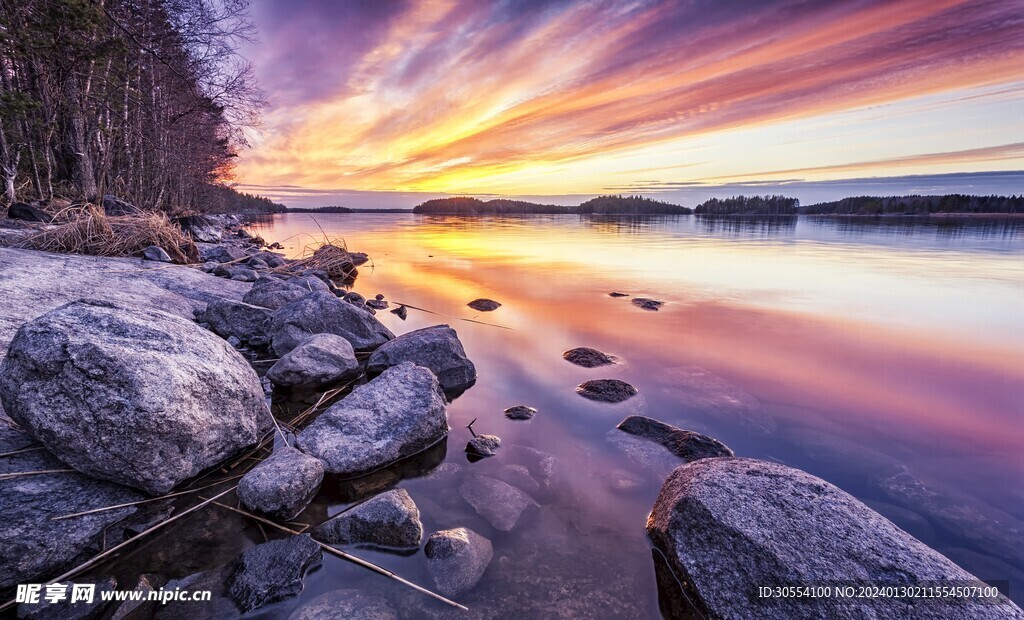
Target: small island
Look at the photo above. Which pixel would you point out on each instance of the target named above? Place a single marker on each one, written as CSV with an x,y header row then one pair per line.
x,y
610,205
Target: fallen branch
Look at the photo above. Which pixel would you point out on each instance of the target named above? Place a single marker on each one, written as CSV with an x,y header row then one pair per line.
x,y
21,474
142,501
13,452
457,318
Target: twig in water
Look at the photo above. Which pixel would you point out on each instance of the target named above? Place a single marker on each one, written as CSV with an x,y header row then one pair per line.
x,y
20,474
142,501
351,558
13,452
470,427
448,316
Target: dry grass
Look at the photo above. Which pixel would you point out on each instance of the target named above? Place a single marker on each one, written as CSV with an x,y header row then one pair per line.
x,y
85,229
331,256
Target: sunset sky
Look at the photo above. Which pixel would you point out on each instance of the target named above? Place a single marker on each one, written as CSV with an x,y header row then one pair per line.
x,y
388,103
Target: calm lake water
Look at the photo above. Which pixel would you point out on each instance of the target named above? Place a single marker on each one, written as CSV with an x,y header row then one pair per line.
x,y
886,357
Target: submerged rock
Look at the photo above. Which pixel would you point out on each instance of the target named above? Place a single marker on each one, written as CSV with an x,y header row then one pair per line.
x,y
272,571
248,323
728,526
499,502
165,398
321,359
698,389
437,348
390,520
156,253
618,294
282,485
323,313
346,605
520,412
273,293
483,445
394,416
587,357
687,445
457,559
606,390
647,304
484,305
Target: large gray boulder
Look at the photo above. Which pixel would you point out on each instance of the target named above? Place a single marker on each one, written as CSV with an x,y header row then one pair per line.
x,y
248,323
729,526
282,485
139,397
320,360
398,414
323,313
437,348
273,293
457,559
390,520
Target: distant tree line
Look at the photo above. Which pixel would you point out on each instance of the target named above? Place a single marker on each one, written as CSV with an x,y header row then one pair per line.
x,y
749,205
918,205
146,99
223,199
330,209
463,205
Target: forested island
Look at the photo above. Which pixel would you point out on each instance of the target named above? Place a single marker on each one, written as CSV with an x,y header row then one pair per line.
x,y
464,205
749,205
918,205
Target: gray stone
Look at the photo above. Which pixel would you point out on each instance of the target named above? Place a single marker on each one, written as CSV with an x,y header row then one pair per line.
x,y
484,305
618,294
457,559
309,282
114,206
518,476
200,228
282,485
353,297
377,304
687,445
401,312
390,520
345,605
606,390
157,253
437,348
321,359
398,414
228,317
221,253
540,464
520,412
483,445
272,571
65,609
323,313
238,273
587,357
164,398
647,455
140,609
730,525
499,502
273,293
28,213
647,304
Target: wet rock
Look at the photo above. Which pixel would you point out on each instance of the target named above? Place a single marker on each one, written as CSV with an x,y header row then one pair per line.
x,y
65,609
483,445
346,605
606,390
275,246
484,305
355,298
246,322
396,415
321,359
730,525
323,313
282,485
520,412
378,304
437,348
647,455
273,293
587,357
401,312
647,304
272,571
519,477
238,273
140,609
221,253
272,260
114,206
390,520
28,213
156,253
457,559
540,464
165,398
617,294
200,228
907,520
257,263
687,445
219,606
500,503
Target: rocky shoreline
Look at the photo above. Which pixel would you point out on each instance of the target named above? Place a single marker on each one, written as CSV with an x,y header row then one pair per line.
x,y
125,380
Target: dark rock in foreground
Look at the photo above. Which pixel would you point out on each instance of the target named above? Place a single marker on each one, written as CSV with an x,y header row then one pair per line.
x,y
484,305
396,415
65,609
606,390
437,348
587,357
164,398
390,520
272,571
647,304
321,359
28,213
687,445
345,605
282,485
323,313
483,445
248,323
499,502
457,559
730,525
520,412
